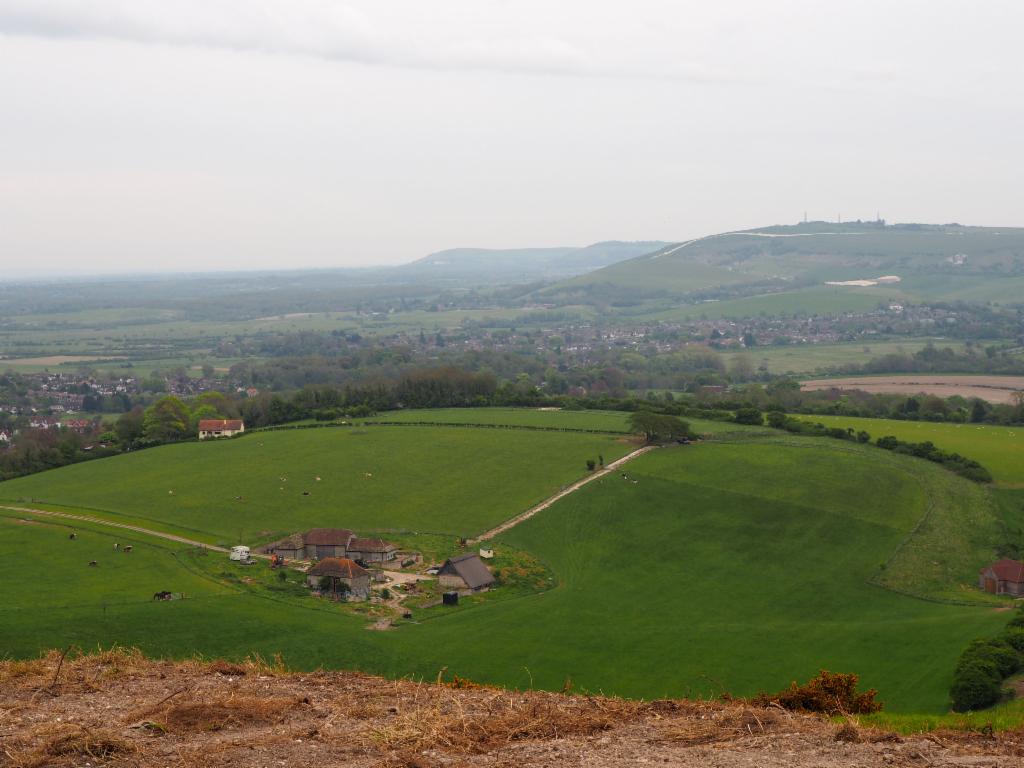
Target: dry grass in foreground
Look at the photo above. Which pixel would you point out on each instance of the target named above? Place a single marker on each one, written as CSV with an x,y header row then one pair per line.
x,y
119,709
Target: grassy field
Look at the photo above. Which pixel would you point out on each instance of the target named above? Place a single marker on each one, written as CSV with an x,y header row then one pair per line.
x,y
435,479
999,449
725,566
54,570
811,358
823,300
612,421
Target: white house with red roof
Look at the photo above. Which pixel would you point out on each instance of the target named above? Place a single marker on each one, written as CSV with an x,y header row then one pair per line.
x,y
212,428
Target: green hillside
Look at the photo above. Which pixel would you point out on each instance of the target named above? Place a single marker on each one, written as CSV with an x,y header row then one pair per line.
x,y
735,565
933,262
445,479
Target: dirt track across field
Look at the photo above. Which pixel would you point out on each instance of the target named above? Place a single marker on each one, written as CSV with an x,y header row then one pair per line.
x,y
119,709
994,389
122,526
561,494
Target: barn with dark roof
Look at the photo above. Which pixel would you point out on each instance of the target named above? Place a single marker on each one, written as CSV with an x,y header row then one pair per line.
x,y
465,572
1003,577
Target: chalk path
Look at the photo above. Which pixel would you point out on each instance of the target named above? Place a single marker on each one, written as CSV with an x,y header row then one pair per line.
x,y
560,495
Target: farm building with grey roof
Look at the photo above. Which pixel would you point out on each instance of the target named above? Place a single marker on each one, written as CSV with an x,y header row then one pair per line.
x,y
465,572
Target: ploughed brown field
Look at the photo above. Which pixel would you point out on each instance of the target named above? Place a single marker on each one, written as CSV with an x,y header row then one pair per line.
x,y
994,389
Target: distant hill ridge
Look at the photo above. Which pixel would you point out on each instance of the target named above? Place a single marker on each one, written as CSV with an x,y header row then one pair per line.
x,y
932,260
534,263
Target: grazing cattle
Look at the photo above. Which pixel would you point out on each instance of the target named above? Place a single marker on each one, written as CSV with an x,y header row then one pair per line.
x,y
116,546
93,563
162,595
128,548
72,536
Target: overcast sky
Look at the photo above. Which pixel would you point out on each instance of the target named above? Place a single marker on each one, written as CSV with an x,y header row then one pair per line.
x,y
157,135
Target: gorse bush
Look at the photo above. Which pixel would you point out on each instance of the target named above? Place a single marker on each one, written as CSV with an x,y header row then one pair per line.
x,y
831,693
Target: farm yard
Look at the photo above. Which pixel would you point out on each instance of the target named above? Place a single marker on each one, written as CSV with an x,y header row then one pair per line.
x,y
664,551
995,389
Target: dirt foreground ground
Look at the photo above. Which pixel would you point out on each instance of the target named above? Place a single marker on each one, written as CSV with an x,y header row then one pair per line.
x,y
119,709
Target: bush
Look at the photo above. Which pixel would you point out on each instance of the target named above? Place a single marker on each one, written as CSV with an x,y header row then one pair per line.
x,y
1003,657
982,667
975,686
750,416
1014,638
831,693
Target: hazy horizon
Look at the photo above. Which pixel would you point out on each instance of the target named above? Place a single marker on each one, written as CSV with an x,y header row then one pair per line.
x,y
227,136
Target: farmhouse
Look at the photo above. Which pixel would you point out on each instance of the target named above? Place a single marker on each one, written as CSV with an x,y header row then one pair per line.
x,y
465,572
340,575
372,550
333,542
1003,577
210,428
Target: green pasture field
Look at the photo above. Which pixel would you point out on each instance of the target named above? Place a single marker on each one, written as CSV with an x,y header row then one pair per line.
x,y
453,480
96,332
998,449
612,421
800,359
733,566
1006,716
54,570
809,301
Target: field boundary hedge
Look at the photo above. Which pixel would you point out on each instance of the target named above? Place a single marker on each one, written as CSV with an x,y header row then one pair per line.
x,y
475,425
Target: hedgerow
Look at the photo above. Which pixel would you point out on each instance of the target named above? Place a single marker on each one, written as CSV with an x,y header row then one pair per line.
x,y
927,450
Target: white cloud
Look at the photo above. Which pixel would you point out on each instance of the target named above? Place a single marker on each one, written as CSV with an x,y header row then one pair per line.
x,y
430,35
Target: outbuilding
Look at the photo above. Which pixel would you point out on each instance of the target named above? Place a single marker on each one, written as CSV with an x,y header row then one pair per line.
x,y
465,572
1003,577
327,542
340,576
372,550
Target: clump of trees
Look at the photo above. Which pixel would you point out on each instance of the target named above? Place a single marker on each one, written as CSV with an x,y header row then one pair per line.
x,y
658,427
984,664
